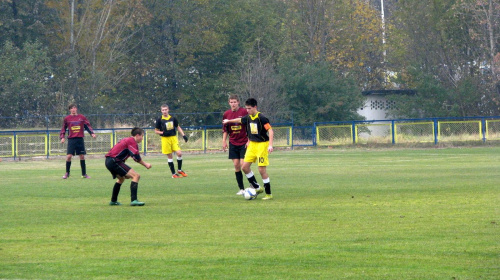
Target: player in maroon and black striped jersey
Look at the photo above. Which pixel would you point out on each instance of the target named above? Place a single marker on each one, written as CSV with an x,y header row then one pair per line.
x,y
115,163
75,124
237,138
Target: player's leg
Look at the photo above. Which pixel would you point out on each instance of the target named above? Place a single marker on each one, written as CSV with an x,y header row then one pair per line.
x,y
134,185
239,175
237,154
170,159
267,182
84,167
116,190
263,162
118,170
250,157
250,176
71,150
166,149
68,166
179,164
80,151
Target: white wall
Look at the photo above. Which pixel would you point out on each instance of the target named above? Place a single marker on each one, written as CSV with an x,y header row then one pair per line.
x,y
376,108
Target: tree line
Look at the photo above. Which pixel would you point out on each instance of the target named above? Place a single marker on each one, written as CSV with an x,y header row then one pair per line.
x,y
309,57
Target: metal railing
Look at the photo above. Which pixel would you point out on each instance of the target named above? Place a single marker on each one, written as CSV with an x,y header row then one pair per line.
x,y
32,143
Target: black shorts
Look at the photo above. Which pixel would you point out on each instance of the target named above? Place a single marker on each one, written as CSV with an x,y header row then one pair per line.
x,y
117,167
76,146
237,152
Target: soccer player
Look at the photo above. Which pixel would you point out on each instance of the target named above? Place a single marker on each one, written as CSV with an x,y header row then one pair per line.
x,y
76,124
238,139
166,126
261,136
115,163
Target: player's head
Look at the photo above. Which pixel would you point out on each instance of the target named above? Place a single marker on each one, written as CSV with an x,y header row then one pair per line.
x,y
164,110
251,102
234,102
73,109
138,134
251,106
233,97
136,131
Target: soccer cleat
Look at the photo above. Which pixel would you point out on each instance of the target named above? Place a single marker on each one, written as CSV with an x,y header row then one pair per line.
x,y
267,197
137,203
66,175
240,192
85,176
259,190
182,173
114,203
176,176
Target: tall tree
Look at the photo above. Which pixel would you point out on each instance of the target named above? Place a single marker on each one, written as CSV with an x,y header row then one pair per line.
x,y
484,28
25,80
259,79
23,21
435,42
92,42
317,93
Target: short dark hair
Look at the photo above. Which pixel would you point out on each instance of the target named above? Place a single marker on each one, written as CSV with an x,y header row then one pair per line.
x,y
251,102
71,106
137,131
164,106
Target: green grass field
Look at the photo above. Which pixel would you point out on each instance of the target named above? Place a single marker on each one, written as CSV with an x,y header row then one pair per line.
x,y
336,214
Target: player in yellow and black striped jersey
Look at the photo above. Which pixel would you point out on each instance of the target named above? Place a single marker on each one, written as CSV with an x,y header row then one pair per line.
x,y
261,135
167,126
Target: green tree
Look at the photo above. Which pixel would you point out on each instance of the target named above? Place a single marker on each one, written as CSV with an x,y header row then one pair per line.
x,y
433,45
190,54
92,45
317,93
23,21
25,81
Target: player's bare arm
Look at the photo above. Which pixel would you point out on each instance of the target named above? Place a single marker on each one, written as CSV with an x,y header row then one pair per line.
x,y
237,120
224,141
271,138
145,164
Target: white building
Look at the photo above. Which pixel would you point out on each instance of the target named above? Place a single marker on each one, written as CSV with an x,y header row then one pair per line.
x,y
377,106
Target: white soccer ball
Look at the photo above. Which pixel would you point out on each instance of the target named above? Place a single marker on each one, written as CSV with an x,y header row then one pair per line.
x,y
250,194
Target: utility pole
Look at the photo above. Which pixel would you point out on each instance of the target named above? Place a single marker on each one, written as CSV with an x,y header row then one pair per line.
x,y
384,52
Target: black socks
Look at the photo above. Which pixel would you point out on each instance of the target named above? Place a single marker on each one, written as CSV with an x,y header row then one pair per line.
x,y
133,191
84,167
116,191
68,166
239,179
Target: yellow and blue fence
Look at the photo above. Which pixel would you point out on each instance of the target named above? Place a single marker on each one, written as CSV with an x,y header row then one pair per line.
x,y
46,143
434,130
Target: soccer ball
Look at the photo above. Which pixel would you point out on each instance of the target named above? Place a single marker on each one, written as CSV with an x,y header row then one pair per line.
x,y
250,194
